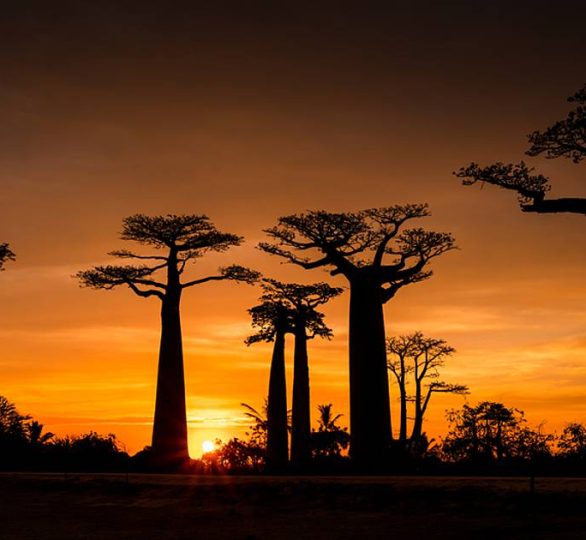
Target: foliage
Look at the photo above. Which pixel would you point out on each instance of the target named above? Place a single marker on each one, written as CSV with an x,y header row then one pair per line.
x,y
235,456
348,243
492,433
572,442
330,439
6,254
185,238
566,138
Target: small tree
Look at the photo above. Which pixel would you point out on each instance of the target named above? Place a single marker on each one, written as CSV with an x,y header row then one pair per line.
x,y
572,442
177,240
6,254
492,433
330,439
377,258
566,138
417,359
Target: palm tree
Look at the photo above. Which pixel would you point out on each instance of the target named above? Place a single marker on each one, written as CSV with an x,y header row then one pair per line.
x,y
36,436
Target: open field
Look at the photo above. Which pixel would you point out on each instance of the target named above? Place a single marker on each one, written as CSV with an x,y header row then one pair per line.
x,y
92,507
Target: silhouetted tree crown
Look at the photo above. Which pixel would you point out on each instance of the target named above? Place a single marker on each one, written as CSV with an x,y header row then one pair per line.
x,y
359,243
6,254
415,360
184,237
284,303
566,138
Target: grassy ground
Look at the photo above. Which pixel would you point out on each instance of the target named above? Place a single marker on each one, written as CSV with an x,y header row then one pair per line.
x,y
257,508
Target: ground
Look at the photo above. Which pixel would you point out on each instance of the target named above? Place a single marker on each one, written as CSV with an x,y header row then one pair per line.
x,y
120,507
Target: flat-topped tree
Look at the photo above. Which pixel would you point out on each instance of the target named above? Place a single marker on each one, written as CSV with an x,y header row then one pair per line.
x,y
6,254
566,138
369,249
273,320
178,240
307,323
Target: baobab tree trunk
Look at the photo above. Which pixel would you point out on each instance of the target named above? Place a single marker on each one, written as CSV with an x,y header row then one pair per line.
x,y
403,412
277,440
370,417
300,435
169,444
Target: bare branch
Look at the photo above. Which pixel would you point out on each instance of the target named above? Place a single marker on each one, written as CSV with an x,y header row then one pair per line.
x,y
233,273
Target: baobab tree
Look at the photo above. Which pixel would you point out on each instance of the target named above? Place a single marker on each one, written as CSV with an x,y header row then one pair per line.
x,y
566,138
417,359
6,254
306,323
177,240
377,259
274,320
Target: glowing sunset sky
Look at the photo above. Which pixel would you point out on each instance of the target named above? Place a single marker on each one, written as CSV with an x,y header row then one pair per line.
x,y
245,113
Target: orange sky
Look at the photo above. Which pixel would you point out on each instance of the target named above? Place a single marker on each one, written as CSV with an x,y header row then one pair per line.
x,y
248,115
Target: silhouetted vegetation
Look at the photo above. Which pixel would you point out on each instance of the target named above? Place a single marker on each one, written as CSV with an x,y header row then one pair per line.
x,y
414,362
25,446
377,258
487,439
178,240
493,435
566,138
291,307
6,254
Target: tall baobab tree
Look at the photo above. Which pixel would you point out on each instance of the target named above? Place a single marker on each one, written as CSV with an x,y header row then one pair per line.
x,y
177,241
566,138
307,323
274,320
377,259
6,254
415,358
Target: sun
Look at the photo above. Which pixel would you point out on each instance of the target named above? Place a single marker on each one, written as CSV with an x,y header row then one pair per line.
x,y
208,446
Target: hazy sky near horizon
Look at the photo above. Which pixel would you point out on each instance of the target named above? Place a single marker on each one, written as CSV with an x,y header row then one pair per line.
x,y
249,111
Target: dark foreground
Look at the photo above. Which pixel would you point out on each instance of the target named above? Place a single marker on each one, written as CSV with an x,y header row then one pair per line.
x,y
256,508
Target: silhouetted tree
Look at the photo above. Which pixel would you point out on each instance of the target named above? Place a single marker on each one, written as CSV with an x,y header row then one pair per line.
x,y
36,436
179,240
274,320
415,358
258,430
236,456
6,254
572,442
492,433
357,246
306,323
330,439
566,138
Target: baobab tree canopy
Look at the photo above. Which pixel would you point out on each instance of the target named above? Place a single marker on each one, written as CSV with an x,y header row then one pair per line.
x,y
184,237
6,254
566,138
358,243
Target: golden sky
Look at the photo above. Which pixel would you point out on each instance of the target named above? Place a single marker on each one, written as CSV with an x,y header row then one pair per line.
x,y
249,114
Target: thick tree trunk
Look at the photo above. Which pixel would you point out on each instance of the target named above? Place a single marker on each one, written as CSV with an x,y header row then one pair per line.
x,y
300,435
277,439
370,419
403,427
169,445
418,421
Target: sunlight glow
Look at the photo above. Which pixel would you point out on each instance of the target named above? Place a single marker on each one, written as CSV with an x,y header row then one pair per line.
x,y
208,446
